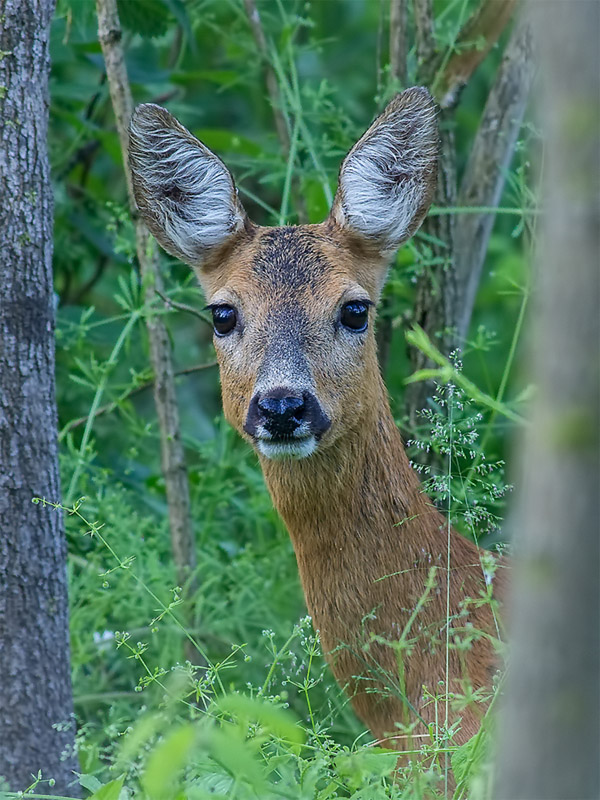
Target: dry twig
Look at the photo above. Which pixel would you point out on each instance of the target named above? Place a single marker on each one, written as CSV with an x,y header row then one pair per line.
x,y
281,123
424,31
270,76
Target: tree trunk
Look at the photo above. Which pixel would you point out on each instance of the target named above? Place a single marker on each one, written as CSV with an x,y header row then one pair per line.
x,y
550,742
35,684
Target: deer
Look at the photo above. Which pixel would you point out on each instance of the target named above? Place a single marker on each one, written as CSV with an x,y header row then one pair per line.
x,y
390,586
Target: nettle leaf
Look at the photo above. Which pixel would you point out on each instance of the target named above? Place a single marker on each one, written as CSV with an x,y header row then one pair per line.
x,y
147,17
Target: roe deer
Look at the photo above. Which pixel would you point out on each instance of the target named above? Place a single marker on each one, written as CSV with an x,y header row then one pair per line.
x,y
293,311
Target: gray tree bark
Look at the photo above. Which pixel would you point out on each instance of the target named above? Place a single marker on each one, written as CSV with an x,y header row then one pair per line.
x,y
35,682
550,729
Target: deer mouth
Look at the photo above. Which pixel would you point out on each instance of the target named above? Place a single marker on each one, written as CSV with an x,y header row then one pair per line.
x,y
279,449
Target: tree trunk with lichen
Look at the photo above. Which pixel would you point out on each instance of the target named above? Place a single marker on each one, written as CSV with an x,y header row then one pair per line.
x,y
36,706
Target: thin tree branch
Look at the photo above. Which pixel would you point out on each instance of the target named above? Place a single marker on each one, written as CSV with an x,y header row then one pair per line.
x,y
424,30
172,456
398,41
439,302
488,163
184,307
378,49
477,37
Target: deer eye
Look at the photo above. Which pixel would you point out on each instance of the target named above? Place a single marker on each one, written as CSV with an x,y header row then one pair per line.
x,y
355,316
224,319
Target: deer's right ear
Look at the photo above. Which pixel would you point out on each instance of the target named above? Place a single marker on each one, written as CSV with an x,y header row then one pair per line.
x,y
184,193
387,181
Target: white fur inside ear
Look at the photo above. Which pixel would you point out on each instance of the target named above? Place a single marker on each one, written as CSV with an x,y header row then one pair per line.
x,y
388,178
184,191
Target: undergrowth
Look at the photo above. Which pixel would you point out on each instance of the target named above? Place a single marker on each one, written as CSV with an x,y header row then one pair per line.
x,y
257,714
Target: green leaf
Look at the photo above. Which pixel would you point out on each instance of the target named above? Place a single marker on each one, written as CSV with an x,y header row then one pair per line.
x,y
110,791
236,756
135,741
447,372
224,141
222,77
316,202
90,782
366,763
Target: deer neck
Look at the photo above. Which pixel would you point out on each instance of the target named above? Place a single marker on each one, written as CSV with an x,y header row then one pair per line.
x,y
358,502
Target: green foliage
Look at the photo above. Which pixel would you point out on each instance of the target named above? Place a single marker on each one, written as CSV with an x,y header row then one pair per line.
x,y
258,714
469,487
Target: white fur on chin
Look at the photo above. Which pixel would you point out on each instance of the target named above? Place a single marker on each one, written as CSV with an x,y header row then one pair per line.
x,y
292,449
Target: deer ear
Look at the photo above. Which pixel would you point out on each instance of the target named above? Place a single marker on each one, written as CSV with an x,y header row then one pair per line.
x,y
184,193
388,179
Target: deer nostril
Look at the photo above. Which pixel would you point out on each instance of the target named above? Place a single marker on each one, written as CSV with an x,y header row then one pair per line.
x,y
281,415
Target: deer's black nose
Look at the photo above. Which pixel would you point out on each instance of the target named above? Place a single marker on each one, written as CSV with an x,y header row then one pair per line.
x,y
284,413
281,415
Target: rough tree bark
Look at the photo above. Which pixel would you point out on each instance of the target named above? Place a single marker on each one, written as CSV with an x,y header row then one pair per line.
x,y
398,41
35,684
550,736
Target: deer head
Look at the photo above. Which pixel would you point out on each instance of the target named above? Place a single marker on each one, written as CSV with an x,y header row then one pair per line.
x,y
293,307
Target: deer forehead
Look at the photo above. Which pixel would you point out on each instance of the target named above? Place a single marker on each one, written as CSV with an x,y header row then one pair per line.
x,y
286,271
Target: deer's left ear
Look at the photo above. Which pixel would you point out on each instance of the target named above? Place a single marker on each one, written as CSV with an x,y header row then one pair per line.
x,y
388,179
184,193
